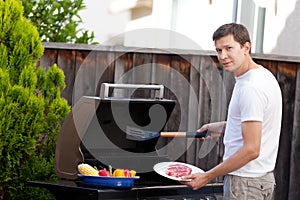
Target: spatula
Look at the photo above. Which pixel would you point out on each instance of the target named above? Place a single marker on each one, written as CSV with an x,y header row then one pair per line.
x,y
137,134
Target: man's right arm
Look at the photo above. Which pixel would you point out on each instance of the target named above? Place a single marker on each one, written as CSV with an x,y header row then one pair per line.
x,y
215,127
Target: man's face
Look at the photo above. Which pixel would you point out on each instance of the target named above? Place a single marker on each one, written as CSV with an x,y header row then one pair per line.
x,y
231,54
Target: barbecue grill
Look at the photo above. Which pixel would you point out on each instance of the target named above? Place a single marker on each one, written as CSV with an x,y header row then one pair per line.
x,y
96,132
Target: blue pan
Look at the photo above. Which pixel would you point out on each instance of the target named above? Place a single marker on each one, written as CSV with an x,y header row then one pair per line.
x,y
108,182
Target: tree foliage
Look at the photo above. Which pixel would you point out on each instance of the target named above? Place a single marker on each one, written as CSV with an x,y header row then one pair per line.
x,y
31,107
58,21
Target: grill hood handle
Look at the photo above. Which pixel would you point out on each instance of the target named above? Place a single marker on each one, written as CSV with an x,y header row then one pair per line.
x,y
104,92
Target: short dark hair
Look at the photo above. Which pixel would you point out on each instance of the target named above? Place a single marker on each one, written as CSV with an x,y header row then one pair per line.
x,y
239,32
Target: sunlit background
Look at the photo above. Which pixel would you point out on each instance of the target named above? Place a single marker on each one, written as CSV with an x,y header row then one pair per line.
x,y
273,24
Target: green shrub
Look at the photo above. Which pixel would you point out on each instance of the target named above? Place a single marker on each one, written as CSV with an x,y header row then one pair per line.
x,y
31,107
58,21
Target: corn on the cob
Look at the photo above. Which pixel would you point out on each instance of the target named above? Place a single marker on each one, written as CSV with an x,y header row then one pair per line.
x,y
87,170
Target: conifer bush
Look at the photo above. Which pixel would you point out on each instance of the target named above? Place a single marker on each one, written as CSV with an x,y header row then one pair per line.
x,y
31,107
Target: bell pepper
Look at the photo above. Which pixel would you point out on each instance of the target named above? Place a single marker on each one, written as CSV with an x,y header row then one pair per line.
x,y
132,173
119,173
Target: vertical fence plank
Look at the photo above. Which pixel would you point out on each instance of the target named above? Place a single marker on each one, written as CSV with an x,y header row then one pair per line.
x,y
161,67
85,75
180,85
193,122
294,192
123,64
66,61
48,59
141,73
104,69
204,109
286,77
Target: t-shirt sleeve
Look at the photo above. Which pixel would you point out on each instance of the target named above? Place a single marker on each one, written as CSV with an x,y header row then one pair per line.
x,y
252,104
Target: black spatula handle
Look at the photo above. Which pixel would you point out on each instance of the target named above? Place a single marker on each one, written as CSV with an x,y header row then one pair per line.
x,y
196,134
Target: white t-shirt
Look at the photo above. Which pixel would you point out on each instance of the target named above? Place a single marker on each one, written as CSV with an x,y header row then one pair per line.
x,y
256,97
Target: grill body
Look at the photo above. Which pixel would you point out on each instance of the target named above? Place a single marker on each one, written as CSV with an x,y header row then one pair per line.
x,y
95,132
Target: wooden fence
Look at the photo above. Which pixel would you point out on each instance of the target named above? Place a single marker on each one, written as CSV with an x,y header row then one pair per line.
x,y
201,88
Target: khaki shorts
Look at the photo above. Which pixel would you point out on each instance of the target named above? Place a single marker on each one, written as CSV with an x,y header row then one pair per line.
x,y
242,188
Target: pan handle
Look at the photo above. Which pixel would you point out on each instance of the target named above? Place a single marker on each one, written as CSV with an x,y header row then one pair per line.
x,y
105,88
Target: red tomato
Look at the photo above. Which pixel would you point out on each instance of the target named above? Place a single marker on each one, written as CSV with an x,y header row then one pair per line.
x,y
103,172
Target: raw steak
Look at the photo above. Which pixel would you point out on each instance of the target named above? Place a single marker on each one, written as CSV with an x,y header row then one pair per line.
x,y
178,170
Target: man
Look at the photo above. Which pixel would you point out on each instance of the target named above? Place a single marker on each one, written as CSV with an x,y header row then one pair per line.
x,y
252,129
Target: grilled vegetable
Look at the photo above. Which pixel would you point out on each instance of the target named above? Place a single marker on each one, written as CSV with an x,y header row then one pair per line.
x,y
124,173
104,172
87,170
119,173
110,170
132,173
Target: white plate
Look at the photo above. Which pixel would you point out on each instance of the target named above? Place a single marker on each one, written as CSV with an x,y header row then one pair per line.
x,y
161,168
